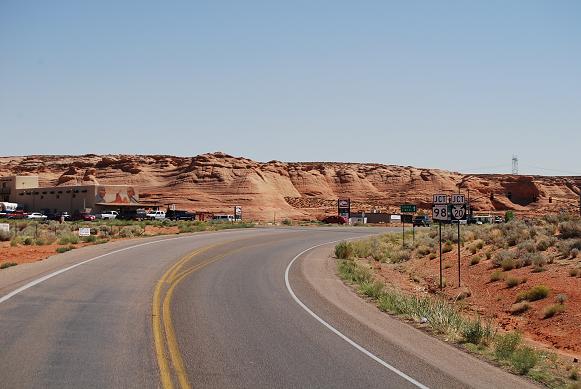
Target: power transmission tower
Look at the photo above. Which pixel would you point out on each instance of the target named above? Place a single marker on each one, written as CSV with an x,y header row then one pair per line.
x,y
514,164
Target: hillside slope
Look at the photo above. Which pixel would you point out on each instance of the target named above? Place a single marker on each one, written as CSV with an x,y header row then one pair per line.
x,y
299,190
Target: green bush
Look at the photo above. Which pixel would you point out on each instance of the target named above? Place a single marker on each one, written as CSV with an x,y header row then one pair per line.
x,y
502,256
401,256
371,289
432,256
68,238
574,272
528,246
7,264
524,359
28,241
344,250
511,282
475,260
508,264
476,332
447,247
535,293
505,345
423,250
508,216
497,275
63,249
552,310
543,244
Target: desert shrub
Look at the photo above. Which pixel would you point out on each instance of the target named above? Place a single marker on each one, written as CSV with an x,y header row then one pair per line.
x,y
361,248
574,272
68,238
89,239
508,264
543,244
475,260
533,294
518,308
528,246
511,282
131,231
371,289
505,345
424,250
447,247
574,253
7,264
552,310
350,271
502,256
475,332
524,359
63,249
561,298
401,256
539,261
28,241
570,230
4,236
344,250
497,275
40,242
468,235
566,246
432,256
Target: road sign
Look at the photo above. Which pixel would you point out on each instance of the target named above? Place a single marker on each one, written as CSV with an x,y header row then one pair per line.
x,y
84,231
458,212
411,208
407,219
440,199
440,212
457,199
344,203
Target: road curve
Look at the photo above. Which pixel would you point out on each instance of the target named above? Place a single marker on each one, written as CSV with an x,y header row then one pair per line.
x,y
222,311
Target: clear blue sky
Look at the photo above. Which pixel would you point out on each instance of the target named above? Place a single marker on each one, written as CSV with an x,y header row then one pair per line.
x,y
458,85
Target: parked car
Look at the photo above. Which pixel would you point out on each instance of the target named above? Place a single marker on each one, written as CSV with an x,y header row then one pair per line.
x,y
86,216
57,216
18,214
138,214
108,215
334,219
422,221
223,218
180,215
36,216
156,215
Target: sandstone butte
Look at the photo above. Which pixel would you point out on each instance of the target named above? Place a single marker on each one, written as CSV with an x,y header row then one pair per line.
x,y
216,182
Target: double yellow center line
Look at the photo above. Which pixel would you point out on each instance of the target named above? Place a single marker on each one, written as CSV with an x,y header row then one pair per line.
x,y
161,314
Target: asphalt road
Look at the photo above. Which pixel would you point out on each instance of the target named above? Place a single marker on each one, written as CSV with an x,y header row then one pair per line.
x,y
215,311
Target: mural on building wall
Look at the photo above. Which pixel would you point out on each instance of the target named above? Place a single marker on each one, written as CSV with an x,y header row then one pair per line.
x,y
116,195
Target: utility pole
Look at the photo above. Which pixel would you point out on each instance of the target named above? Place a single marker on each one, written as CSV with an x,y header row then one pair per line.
x,y
514,164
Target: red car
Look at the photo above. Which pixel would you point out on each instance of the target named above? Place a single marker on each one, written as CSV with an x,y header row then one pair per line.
x,y
334,219
87,217
17,215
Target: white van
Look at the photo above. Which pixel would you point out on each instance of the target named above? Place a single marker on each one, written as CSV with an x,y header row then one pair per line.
x,y
223,218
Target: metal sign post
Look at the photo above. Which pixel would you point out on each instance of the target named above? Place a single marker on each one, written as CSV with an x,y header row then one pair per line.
x,y
440,212
458,213
406,208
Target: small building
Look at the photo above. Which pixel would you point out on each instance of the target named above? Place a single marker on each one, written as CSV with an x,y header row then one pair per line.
x,y
25,191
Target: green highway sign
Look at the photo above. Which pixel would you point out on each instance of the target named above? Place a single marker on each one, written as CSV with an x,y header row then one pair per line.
x,y
409,208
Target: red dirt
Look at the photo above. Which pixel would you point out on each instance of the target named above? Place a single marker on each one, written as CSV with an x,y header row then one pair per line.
x,y
494,299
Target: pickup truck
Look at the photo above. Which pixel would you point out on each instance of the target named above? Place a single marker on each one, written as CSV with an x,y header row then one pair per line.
x,y
108,215
155,215
180,215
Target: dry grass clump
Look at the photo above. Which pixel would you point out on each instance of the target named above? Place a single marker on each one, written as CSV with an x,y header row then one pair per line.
x,y
497,275
570,229
552,310
511,282
535,293
519,308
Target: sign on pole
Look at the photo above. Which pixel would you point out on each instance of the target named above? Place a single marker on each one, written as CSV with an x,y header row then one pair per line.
x,y
237,212
407,208
458,211
440,199
457,199
440,212
84,231
344,208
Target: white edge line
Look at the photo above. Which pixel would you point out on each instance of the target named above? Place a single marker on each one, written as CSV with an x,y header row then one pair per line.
x,y
336,331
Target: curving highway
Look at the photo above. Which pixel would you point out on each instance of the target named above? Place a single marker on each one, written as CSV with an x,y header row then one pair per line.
x,y
256,308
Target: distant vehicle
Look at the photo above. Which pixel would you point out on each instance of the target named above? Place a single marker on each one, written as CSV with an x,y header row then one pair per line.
x,y
137,214
86,216
334,219
155,215
36,216
108,215
422,221
498,219
223,218
19,214
6,207
180,215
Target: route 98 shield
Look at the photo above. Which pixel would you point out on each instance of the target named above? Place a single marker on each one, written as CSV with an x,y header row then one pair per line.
x,y
440,212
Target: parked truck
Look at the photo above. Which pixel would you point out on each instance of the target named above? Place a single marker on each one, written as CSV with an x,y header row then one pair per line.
x,y
8,207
